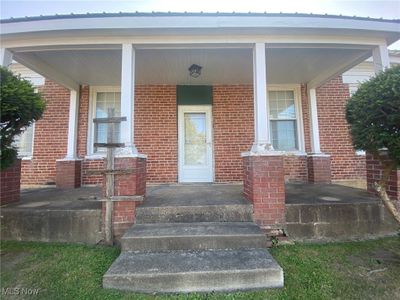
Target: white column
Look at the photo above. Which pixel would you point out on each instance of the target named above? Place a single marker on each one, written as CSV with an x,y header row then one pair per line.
x,y
73,125
380,56
127,100
314,127
261,118
5,57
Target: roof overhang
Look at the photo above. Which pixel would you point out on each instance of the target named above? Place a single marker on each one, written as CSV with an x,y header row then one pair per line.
x,y
301,48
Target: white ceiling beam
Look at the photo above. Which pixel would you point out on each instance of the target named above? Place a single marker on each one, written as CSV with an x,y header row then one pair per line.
x,y
337,70
34,63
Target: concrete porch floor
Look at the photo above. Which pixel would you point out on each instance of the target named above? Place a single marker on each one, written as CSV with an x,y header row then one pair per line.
x,y
326,212
186,195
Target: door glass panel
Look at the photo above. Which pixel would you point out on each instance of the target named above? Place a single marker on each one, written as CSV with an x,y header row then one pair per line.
x,y
195,139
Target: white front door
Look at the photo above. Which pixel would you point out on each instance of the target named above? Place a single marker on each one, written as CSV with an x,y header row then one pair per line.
x,y
195,144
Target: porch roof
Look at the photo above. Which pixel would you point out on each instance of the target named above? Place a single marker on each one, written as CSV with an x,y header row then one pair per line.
x,y
301,48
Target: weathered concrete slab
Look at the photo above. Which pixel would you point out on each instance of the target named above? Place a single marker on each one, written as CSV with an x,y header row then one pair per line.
x,y
58,199
75,226
54,215
339,221
190,214
299,193
194,271
194,236
170,195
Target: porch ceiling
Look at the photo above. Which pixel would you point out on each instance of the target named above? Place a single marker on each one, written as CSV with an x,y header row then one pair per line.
x,y
285,65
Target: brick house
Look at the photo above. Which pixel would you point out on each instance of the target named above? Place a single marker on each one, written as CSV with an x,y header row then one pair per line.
x,y
253,98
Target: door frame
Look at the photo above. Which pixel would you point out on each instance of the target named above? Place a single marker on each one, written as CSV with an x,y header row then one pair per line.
x,y
209,122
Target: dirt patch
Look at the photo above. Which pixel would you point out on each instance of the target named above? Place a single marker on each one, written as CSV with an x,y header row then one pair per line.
x,y
10,260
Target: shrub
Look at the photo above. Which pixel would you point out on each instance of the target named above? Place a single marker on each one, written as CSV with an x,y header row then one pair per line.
x,y
374,116
20,107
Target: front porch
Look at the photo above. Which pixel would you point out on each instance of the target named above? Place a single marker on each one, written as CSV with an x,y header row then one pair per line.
x,y
313,212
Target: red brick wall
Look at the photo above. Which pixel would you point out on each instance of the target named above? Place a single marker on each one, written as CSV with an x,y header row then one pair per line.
x,y
133,183
295,167
233,129
334,134
123,216
88,165
10,183
264,186
50,137
90,171
68,173
156,132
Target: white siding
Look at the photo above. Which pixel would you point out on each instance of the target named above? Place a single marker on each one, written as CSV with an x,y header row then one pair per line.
x,y
363,72
28,74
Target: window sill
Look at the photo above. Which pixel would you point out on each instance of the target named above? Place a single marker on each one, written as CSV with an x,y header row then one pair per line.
x,y
95,156
294,153
26,158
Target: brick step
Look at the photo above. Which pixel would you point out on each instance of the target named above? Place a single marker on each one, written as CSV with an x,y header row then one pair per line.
x,y
194,271
190,214
193,236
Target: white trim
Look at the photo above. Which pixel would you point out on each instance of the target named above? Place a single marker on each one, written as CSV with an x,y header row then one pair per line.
x,y
380,57
128,101
262,140
198,22
73,125
314,126
361,153
93,90
339,41
318,155
6,57
208,109
296,88
69,159
17,142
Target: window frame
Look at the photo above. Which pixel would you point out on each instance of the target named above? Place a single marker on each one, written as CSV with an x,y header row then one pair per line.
x,y
93,90
28,156
296,89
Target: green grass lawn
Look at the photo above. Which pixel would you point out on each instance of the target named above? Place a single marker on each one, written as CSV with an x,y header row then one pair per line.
x,y
354,270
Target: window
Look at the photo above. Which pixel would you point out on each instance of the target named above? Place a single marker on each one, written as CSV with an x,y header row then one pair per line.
x,y
24,142
105,103
283,115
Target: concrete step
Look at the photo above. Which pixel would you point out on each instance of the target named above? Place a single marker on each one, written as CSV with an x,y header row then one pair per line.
x,y
190,214
194,271
193,236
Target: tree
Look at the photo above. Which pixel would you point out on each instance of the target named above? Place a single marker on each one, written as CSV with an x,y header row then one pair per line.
x,y
373,113
20,107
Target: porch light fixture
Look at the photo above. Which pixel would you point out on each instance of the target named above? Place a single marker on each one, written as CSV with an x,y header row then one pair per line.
x,y
195,70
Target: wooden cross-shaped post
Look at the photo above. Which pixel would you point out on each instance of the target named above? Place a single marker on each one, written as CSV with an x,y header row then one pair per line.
x,y
111,121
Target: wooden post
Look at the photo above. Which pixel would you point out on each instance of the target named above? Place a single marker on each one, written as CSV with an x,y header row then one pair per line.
x,y
111,144
109,182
